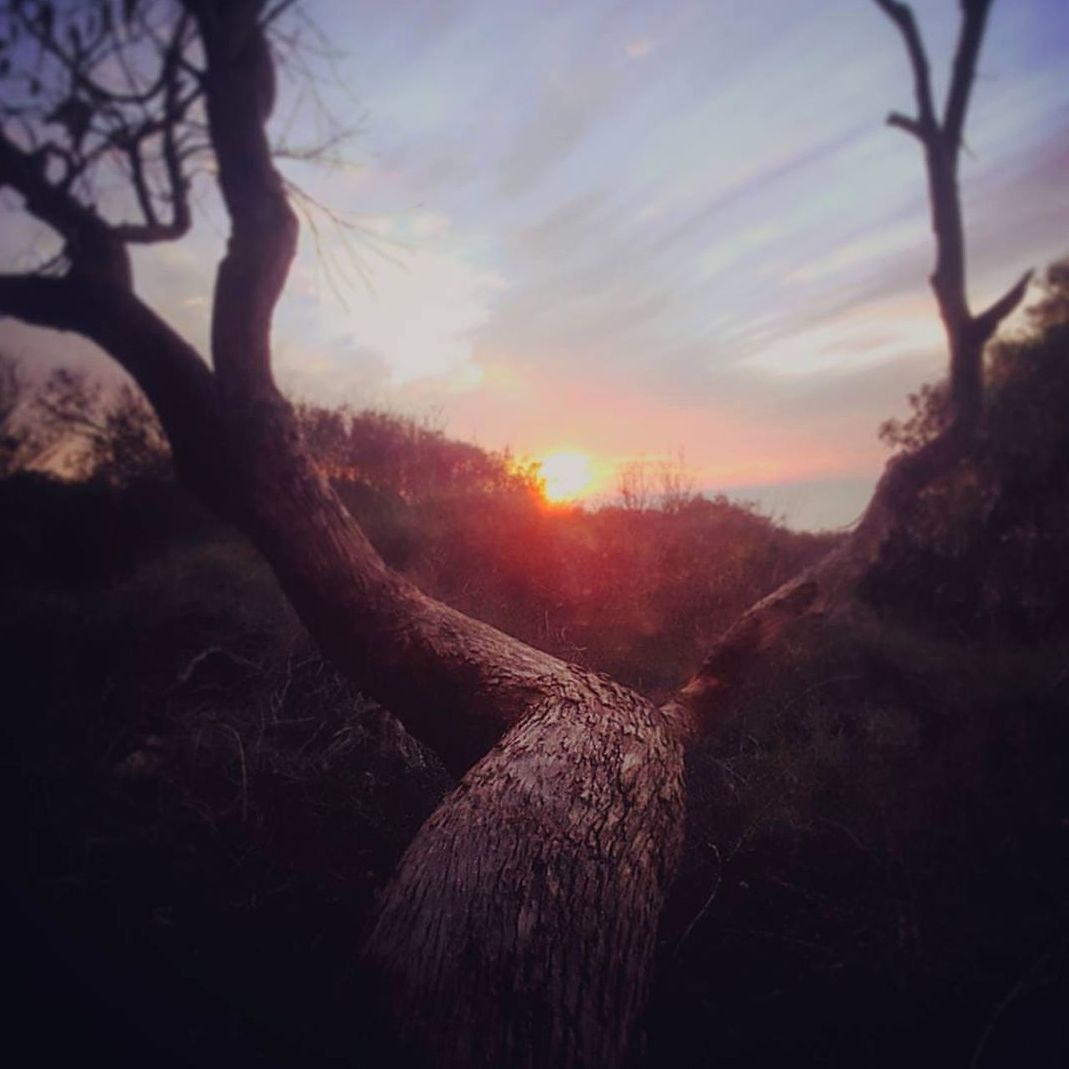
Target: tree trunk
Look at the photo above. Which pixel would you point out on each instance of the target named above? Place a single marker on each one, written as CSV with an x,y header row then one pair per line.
x,y
519,929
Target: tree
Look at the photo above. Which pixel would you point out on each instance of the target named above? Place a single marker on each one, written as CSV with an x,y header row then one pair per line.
x,y
18,447
989,533
665,483
113,436
941,137
519,927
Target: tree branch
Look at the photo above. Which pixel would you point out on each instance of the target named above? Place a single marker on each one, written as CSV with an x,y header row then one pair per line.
x,y
175,108
966,335
819,589
175,380
902,16
240,96
974,19
987,322
91,245
908,124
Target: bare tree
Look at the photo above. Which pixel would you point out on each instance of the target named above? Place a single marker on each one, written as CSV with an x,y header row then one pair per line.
x,y
87,431
519,927
18,448
666,483
941,137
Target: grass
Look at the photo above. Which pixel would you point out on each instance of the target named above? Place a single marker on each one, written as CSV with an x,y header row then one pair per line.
x,y
878,838
878,860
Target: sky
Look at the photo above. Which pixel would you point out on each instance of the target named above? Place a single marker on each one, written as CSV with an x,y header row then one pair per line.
x,y
640,229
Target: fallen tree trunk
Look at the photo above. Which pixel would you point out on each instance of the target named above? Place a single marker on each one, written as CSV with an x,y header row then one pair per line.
x,y
519,929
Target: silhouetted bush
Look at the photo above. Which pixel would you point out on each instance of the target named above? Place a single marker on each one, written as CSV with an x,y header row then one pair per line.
x,y
985,548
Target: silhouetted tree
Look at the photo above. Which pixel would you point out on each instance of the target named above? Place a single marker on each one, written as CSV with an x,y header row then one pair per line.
x,y
941,137
990,532
17,447
112,435
519,927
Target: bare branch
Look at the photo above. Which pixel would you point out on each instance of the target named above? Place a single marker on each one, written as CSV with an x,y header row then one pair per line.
x,y
974,19
909,125
90,97
240,97
137,177
91,246
942,145
987,322
174,112
176,381
902,16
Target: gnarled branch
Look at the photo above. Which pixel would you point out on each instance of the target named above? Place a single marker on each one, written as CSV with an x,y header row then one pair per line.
x,y
240,89
90,243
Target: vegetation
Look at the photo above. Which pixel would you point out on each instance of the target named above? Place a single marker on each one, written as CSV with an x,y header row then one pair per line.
x,y
207,790
876,849
987,539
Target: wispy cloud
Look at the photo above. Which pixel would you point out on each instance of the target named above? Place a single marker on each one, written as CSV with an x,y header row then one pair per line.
x,y
632,227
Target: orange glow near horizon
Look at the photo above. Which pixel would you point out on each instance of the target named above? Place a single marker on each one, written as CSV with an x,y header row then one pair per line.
x,y
568,474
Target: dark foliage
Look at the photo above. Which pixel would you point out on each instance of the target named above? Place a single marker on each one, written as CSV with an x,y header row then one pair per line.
x,y
985,548
877,855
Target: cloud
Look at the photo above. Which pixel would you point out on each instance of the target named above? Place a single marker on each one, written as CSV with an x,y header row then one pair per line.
x,y
415,311
570,104
866,333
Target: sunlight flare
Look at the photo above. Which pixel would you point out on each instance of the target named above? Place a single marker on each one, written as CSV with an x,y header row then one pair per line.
x,y
568,474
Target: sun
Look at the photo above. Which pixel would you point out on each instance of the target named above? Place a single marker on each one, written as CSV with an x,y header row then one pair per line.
x,y
568,474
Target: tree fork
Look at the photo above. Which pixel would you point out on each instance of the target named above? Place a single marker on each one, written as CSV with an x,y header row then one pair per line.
x,y
941,138
519,927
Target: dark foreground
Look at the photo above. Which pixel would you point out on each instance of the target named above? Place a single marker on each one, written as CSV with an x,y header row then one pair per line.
x,y
876,874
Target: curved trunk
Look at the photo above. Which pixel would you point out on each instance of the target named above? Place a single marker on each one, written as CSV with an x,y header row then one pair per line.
x,y
457,684
519,929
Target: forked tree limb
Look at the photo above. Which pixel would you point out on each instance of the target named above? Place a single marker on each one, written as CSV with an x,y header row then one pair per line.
x,y
963,73
176,381
90,244
988,321
240,92
520,926
902,16
942,140
456,683
822,588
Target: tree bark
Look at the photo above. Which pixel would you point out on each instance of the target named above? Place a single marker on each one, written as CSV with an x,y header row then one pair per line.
x,y
519,929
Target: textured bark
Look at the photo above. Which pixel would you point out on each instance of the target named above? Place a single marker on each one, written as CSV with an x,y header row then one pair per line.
x,y
457,684
519,928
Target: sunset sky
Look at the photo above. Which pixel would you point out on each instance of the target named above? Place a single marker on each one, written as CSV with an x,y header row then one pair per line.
x,y
629,229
